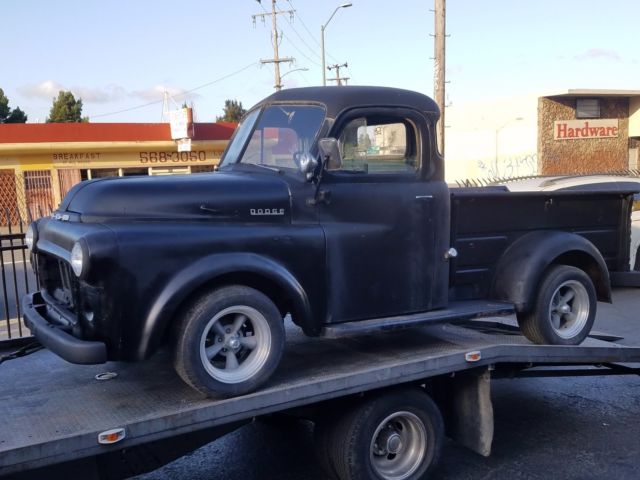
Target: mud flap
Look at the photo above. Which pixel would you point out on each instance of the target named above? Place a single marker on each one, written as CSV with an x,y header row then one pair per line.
x,y
465,401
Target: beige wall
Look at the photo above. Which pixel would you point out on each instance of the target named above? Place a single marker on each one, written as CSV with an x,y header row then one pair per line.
x,y
582,155
634,117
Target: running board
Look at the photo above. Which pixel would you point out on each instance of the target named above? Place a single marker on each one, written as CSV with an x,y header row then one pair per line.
x,y
455,312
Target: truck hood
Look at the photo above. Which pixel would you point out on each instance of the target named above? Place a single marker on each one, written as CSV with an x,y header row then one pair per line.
x,y
228,196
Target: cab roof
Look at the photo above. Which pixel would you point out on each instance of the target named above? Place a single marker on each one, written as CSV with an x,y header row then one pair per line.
x,y
336,99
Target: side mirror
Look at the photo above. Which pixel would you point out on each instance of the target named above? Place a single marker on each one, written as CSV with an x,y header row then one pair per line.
x,y
308,165
330,151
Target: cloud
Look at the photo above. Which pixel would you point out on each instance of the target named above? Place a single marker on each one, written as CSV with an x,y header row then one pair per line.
x,y
598,54
107,94
44,90
49,89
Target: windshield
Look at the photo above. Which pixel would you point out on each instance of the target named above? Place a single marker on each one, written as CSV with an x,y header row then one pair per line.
x,y
281,137
239,139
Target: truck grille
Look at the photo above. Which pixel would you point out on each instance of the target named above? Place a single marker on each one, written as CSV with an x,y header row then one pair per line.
x,y
59,282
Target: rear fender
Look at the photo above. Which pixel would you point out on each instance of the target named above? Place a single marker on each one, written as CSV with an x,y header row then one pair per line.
x,y
197,275
523,264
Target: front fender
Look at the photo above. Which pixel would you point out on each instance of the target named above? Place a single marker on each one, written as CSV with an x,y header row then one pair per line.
x,y
523,264
191,278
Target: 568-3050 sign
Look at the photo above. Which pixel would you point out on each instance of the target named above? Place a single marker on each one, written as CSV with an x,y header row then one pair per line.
x,y
173,157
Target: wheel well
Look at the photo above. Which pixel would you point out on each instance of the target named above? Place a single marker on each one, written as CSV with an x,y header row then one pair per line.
x,y
271,289
588,265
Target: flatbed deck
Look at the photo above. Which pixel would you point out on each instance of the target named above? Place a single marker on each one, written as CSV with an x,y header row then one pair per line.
x,y
53,411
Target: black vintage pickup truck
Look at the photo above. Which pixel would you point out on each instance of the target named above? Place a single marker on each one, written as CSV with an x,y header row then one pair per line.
x,y
329,205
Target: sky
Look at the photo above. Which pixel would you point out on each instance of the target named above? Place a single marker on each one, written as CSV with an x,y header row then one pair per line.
x,y
120,56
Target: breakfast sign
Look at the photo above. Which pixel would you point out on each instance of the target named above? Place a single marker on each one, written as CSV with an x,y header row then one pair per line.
x,y
577,129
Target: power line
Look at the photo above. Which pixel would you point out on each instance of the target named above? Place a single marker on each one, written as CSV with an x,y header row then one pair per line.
x,y
306,80
302,53
311,49
178,95
311,35
305,26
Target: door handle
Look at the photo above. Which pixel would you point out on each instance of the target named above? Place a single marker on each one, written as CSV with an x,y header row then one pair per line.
x,y
424,198
324,196
321,197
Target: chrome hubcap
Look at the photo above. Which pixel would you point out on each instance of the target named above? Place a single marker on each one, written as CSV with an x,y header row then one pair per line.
x,y
398,446
569,309
235,344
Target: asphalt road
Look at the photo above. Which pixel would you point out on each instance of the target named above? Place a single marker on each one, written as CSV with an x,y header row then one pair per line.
x,y
552,428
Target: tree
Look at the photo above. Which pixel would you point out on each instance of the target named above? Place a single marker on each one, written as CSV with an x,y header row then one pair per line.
x,y
66,109
233,111
4,106
16,116
7,115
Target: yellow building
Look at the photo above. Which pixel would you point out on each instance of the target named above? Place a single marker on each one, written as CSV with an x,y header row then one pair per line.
x,y
39,163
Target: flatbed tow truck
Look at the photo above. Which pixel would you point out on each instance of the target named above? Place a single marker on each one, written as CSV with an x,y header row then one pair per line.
x,y
62,419
305,220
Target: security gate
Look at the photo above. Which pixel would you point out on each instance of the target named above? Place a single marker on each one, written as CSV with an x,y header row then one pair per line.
x,y
16,275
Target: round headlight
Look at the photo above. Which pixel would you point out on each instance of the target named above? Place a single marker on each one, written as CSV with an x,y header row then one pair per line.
x,y
77,259
30,236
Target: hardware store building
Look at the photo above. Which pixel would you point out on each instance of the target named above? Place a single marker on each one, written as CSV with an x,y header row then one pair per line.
x,y
588,131
39,163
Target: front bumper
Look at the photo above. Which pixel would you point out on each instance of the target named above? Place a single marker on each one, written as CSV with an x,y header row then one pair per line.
x,y
56,338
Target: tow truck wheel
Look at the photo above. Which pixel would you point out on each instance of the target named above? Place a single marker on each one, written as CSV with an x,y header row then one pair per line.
x,y
396,436
229,341
564,308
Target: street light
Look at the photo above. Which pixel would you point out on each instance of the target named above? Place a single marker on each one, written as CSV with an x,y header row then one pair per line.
x,y
324,70
517,119
302,69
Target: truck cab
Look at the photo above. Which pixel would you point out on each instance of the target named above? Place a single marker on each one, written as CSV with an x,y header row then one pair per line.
x,y
380,203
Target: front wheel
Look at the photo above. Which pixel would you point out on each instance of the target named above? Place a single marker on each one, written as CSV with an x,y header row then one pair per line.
x,y
229,341
396,436
564,308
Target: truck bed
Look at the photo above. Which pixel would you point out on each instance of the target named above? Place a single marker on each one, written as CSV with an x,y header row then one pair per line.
x,y
485,222
53,411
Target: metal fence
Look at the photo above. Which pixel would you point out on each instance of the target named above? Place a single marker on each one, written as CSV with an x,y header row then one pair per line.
x,y
17,276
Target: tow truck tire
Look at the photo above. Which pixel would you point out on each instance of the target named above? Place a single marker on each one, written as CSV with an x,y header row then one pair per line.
x,y
229,341
397,435
564,308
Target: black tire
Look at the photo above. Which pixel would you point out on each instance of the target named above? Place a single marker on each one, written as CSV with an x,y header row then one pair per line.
x,y
233,321
322,438
564,308
396,435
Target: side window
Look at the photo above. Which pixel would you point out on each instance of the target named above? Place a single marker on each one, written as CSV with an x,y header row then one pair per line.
x,y
379,146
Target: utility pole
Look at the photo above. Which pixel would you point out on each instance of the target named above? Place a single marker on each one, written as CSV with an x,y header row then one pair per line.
x,y
276,60
439,67
338,78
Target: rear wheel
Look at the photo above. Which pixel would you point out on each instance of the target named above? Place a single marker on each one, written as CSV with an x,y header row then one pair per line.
x,y
396,436
564,308
229,342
